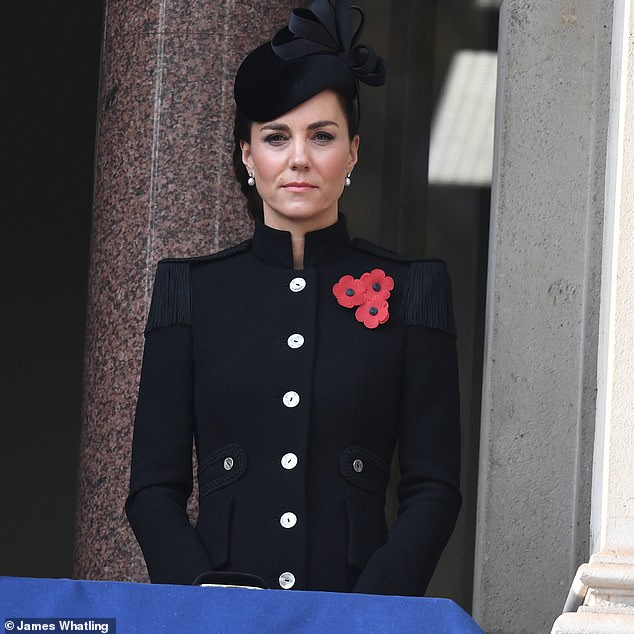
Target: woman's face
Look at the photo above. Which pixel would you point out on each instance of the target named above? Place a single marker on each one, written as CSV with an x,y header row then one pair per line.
x,y
300,162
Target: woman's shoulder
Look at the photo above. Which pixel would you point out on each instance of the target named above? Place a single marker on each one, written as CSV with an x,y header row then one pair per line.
x,y
172,294
381,252
427,295
233,250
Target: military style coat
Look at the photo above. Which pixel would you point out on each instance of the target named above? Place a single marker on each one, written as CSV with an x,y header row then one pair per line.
x,y
295,402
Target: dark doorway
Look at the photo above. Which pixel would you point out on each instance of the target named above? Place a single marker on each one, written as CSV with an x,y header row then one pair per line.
x,y
393,202
50,72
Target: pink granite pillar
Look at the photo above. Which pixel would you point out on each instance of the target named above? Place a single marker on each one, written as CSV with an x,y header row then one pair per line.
x,y
164,187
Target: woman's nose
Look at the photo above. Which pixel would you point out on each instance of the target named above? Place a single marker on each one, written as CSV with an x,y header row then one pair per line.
x,y
299,156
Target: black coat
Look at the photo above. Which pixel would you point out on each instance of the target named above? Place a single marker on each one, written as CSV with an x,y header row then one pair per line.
x,y
294,435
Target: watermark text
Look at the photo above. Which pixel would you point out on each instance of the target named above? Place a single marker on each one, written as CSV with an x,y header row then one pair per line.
x,y
22,624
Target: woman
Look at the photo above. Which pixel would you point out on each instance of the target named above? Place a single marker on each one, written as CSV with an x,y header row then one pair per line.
x,y
296,359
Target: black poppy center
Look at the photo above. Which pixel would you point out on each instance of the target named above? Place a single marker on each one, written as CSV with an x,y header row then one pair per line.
x,y
376,287
349,292
373,311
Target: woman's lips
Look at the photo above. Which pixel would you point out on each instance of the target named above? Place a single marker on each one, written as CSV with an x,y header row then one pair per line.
x,y
299,187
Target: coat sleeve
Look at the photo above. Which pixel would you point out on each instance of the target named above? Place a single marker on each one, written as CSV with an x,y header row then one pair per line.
x,y
161,471
429,461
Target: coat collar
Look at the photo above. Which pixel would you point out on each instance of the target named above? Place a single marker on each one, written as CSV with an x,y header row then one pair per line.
x,y
322,247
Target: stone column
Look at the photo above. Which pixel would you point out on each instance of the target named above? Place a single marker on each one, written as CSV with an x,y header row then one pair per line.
x,y
164,187
605,585
542,310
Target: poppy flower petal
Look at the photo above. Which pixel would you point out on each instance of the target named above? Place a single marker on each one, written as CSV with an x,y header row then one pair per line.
x,y
368,294
378,282
349,291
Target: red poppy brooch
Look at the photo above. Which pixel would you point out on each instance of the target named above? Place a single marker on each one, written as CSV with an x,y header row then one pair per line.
x,y
369,295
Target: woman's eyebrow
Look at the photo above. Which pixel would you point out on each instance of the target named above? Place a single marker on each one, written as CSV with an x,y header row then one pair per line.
x,y
275,126
282,127
322,124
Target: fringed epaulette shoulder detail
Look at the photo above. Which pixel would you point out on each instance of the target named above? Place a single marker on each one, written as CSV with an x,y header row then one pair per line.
x,y
427,299
427,294
171,298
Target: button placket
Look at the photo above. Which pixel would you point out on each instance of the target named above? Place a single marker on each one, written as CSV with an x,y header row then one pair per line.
x,y
294,341
297,363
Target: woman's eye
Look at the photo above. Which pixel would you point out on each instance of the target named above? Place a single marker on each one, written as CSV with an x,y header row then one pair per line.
x,y
275,139
323,137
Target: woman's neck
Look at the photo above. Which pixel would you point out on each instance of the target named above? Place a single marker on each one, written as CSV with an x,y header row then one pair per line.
x,y
297,244
298,231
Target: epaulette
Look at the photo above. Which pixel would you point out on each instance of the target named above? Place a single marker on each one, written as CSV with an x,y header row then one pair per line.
x,y
427,299
171,298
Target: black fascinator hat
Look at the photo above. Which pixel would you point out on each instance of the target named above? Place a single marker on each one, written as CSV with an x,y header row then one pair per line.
x,y
317,51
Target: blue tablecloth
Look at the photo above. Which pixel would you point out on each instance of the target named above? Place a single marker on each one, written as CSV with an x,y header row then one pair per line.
x,y
148,608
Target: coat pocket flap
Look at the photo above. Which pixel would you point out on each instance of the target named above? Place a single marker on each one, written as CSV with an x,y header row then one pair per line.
x,y
221,468
365,470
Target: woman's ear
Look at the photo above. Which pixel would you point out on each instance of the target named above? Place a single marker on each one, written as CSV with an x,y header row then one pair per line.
x,y
245,146
354,152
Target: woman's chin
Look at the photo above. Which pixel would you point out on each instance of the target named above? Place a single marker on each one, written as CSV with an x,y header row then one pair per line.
x,y
300,215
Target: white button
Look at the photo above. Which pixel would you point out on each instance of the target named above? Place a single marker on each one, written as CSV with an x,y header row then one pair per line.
x,y
287,580
228,464
289,461
288,520
295,341
290,399
297,284
357,465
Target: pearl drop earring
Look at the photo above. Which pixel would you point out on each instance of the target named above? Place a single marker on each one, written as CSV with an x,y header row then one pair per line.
x,y
251,180
348,181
